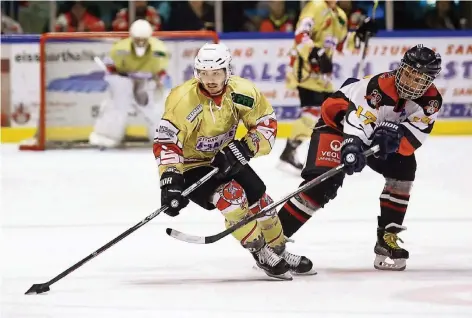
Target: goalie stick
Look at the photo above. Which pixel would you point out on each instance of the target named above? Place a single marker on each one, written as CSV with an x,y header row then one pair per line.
x,y
44,287
213,238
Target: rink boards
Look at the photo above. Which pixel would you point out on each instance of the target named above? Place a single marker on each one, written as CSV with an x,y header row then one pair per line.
x,y
77,86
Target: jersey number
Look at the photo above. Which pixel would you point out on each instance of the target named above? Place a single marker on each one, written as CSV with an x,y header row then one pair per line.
x,y
369,117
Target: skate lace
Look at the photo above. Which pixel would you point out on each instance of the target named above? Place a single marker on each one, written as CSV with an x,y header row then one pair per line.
x,y
391,240
268,256
291,259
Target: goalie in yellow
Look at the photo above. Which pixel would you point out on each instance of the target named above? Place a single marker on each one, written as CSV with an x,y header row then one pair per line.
x,y
136,67
321,29
197,133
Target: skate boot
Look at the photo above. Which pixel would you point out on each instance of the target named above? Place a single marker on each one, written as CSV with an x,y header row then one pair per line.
x,y
289,154
271,263
387,247
299,265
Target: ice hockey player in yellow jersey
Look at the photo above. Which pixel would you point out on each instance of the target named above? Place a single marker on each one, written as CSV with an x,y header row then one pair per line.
x,y
321,29
135,67
197,133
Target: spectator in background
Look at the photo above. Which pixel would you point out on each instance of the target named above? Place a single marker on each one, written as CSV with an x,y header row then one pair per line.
x,y
442,17
77,19
10,26
191,15
278,20
143,11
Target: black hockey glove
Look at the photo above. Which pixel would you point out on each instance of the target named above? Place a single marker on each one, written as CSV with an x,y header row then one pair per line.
x,y
387,135
172,185
366,26
319,60
351,155
231,159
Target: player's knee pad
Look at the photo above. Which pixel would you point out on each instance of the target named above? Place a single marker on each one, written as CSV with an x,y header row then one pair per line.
x,y
231,200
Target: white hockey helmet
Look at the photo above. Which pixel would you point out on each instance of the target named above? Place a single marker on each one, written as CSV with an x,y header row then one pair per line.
x,y
213,56
140,31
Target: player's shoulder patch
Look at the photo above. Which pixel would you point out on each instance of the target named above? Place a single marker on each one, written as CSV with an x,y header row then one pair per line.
x,y
158,53
242,99
195,112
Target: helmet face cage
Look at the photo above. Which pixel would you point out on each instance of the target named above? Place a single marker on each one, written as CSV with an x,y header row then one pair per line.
x,y
410,83
418,69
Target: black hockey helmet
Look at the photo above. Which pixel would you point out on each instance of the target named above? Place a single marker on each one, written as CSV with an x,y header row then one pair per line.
x,y
418,69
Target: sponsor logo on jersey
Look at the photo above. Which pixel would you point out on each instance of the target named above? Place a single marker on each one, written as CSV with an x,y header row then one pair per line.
x,y
212,144
194,113
335,145
329,151
242,99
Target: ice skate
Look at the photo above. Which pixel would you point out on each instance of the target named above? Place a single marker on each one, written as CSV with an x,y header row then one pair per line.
x,y
299,265
289,157
390,256
272,264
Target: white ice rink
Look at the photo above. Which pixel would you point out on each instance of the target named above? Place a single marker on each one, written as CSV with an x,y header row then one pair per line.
x,y
59,206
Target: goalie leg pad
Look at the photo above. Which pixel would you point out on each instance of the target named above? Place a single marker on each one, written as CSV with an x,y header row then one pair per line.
x,y
152,107
110,126
231,200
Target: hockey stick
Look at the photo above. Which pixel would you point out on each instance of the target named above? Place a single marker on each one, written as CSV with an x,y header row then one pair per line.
x,y
213,238
44,287
366,43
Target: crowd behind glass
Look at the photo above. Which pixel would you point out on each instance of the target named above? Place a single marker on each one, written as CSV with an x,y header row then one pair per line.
x,y
238,16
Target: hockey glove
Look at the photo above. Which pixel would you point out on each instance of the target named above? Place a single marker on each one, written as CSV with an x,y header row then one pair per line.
x,y
351,155
172,185
231,159
320,61
387,135
366,26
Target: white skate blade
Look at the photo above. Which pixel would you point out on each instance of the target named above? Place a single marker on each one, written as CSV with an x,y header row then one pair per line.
x,y
385,263
285,276
311,272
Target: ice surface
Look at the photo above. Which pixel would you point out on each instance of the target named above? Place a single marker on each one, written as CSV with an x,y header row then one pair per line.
x,y
59,206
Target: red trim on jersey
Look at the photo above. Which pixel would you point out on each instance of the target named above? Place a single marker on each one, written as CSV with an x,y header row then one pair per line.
x,y
406,148
331,108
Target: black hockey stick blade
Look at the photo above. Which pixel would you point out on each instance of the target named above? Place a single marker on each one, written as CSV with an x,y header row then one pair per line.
x,y
196,239
38,289
42,288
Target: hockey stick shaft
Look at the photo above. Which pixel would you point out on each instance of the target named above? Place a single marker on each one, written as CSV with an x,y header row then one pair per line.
x,y
366,43
40,288
213,238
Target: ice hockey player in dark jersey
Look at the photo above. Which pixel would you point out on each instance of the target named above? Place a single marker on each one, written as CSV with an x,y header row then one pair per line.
x,y
395,110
